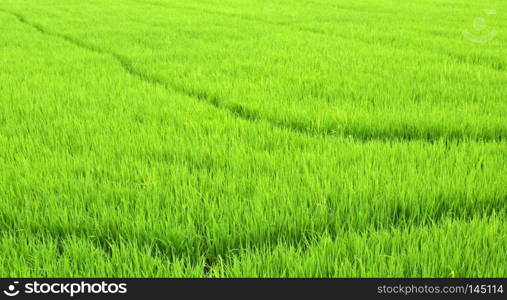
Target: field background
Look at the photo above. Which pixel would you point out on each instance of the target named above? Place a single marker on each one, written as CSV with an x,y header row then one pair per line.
x,y
241,138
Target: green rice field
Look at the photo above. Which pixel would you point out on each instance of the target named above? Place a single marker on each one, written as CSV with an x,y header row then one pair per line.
x,y
253,138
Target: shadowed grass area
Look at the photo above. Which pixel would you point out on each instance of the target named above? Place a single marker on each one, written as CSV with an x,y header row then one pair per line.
x,y
446,250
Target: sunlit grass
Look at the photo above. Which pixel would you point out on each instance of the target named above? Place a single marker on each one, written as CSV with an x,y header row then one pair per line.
x,y
239,138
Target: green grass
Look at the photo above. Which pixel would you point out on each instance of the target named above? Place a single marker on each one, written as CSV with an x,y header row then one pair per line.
x,y
165,138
